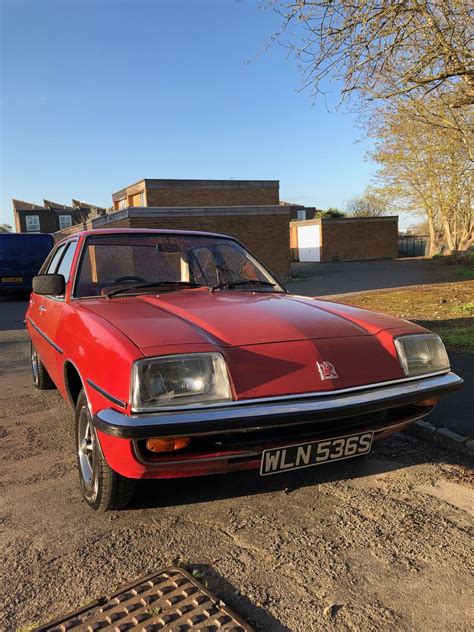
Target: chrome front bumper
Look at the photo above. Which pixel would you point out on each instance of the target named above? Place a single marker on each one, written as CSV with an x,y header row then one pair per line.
x,y
248,415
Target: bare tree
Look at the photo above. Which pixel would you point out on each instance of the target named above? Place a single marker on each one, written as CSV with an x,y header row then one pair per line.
x,y
427,170
369,204
383,48
420,228
412,63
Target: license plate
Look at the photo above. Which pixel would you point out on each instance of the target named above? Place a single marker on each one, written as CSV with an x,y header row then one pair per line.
x,y
296,457
12,279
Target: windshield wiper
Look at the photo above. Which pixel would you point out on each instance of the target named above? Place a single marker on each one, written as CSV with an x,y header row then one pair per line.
x,y
140,286
221,286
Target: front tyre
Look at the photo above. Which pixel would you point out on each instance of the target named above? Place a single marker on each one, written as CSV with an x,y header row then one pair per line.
x,y
102,488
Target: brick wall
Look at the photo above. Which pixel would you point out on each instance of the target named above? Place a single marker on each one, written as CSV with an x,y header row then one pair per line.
x,y
267,236
191,193
215,196
265,233
75,228
359,239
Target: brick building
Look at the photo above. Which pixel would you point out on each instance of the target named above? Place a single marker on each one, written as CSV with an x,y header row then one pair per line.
x,y
249,210
344,239
262,229
51,217
197,193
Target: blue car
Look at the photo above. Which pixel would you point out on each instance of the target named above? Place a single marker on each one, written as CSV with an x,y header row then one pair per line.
x,y
21,256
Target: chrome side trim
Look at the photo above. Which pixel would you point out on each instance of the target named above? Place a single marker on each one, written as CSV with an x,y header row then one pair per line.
x,y
47,338
110,397
273,414
284,398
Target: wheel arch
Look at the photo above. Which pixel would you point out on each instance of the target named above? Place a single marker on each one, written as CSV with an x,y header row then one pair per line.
x,y
73,382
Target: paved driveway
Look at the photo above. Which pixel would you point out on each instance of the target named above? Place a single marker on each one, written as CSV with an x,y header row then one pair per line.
x,y
12,312
324,279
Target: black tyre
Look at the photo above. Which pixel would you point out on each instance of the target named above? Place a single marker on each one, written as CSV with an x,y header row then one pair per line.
x,y
102,488
41,378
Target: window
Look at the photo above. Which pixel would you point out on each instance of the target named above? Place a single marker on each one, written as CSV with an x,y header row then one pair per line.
x,y
32,223
301,215
53,264
141,199
65,265
122,204
65,221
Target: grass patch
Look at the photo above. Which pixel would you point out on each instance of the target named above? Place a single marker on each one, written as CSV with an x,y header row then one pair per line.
x,y
445,308
460,338
467,308
465,272
461,265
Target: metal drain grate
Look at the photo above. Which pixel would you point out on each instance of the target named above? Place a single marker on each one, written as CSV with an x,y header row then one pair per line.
x,y
170,600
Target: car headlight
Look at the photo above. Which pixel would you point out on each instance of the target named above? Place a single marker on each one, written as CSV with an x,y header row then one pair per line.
x,y
421,353
179,380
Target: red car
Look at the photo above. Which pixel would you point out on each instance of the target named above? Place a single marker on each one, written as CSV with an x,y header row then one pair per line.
x,y
183,355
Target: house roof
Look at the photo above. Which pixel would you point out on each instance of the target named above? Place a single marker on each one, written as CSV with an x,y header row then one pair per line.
x,y
78,207
81,205
20,205
56,207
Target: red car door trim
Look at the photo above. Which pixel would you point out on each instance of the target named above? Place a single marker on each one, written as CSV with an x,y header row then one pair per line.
x,y
47,338
110,397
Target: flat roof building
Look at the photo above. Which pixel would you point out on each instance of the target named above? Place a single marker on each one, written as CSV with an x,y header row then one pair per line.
x,y
192,193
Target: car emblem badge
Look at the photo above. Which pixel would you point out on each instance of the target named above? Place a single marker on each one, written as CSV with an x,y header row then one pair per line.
x,y
327,371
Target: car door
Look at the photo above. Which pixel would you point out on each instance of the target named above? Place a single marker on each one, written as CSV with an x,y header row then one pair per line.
x,y
49,310
37,308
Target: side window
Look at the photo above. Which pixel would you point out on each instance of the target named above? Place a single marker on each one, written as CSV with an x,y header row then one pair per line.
x,y
65,221
32,223
53,264
65,265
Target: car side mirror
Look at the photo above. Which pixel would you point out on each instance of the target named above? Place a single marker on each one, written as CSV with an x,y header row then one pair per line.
x,y
49,284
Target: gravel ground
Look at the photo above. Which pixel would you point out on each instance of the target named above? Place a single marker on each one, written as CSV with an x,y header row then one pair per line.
x,y
382,543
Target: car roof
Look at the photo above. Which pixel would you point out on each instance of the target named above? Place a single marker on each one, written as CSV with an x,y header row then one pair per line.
x,y
134,231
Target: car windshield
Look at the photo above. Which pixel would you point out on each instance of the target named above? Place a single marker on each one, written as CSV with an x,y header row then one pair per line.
x,y
132,263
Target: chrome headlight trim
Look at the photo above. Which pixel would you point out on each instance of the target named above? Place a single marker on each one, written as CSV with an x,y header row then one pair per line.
x,y
421,354
215,390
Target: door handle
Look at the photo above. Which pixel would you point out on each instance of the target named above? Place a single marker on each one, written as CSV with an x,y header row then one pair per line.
x,y
42,308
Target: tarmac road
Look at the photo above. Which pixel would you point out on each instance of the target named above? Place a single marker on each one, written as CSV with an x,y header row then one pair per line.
x,y
383,543
325,279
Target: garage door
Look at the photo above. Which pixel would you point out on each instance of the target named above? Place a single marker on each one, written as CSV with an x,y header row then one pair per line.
x,y
309,243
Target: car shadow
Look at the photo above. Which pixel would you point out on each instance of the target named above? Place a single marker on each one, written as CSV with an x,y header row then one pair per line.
x,y
188,491
256,616
397,452
13,307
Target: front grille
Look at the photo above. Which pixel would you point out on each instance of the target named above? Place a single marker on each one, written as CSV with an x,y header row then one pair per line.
x,y
257,439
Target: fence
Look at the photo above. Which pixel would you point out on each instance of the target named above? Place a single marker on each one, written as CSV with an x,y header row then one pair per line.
x,y
412,245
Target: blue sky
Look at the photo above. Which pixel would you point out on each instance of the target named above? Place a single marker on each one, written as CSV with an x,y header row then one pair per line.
x,y
99,94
